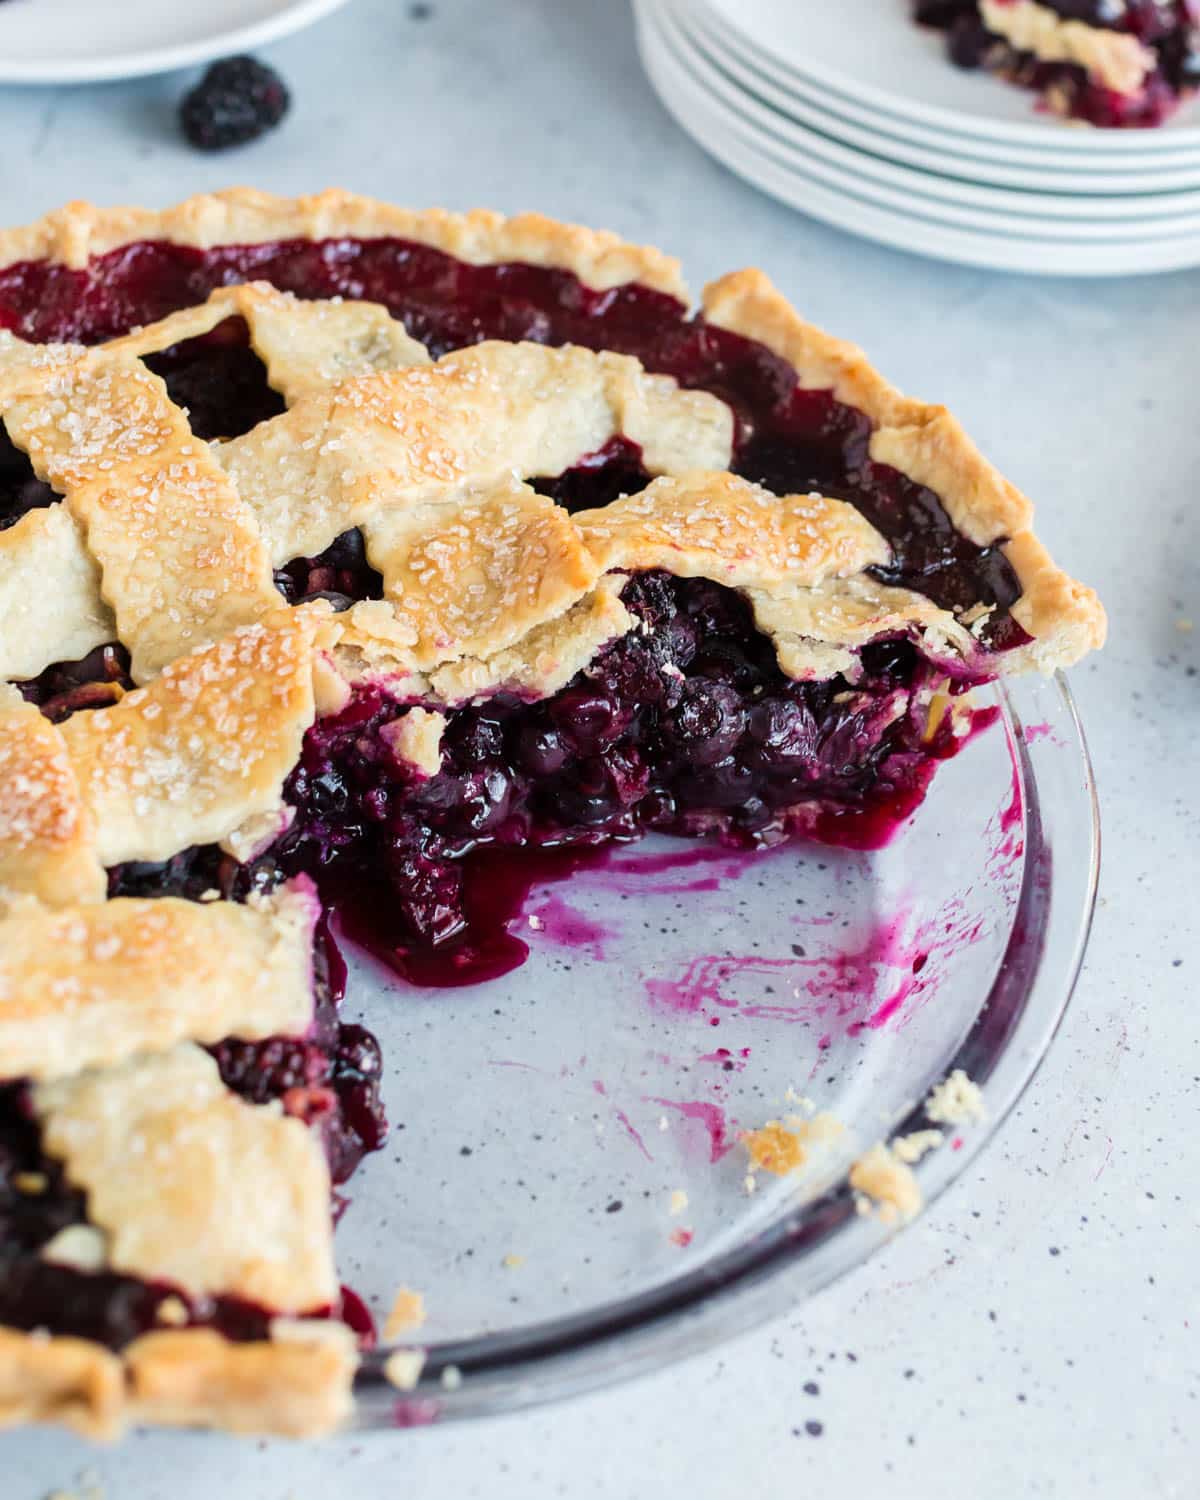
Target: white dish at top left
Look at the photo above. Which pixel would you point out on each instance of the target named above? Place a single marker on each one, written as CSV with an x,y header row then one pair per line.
x,y
78,41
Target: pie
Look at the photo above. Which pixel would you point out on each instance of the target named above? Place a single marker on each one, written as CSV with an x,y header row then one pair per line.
x,y
344,548
1107,62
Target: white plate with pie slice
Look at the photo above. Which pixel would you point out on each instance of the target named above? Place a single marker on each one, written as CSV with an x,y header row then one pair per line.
x,y
1078,150
911,144
874,53
78,41
904,224
1007,208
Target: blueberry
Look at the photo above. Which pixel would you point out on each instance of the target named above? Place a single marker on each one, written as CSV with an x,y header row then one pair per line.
x,y
541,751
707,724
589,720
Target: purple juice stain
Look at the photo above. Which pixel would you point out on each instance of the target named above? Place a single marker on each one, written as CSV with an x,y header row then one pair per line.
x,y
823,984
551,920
496,887
711,1117
633,1133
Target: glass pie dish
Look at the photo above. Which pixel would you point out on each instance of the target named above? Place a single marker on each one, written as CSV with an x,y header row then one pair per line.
x,y
331,618
573,1135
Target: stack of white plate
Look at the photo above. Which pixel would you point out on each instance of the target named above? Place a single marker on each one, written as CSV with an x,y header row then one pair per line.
x,y
853,114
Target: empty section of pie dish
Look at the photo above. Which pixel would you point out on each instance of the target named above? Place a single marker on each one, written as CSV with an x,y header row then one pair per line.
x,y
366,571
597,1096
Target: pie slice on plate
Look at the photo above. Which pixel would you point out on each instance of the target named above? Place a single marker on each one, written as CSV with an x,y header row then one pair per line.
x,y
1111,63
341,546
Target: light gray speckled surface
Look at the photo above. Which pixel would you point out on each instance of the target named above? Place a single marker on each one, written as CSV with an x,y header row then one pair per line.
x,y
1036,1333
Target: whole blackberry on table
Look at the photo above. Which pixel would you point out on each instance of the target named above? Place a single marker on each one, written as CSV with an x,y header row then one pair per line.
x,y
236,101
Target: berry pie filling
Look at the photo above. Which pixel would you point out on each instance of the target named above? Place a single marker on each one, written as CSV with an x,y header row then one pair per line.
x,y
1111,63
684,724
329,1078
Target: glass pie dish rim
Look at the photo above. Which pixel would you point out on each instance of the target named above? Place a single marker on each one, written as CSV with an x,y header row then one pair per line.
x,y
825,1237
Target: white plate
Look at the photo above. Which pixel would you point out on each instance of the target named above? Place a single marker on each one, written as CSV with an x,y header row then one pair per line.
x,y
82,41
871,51
898,187
932,150
1001,207
905,228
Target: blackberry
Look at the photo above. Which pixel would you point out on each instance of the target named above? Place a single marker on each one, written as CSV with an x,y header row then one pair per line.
x,y
261,1071
236,101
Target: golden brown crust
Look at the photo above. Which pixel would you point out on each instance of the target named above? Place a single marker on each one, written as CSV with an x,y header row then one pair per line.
x,y
88,986
50,598
47,838
181,559
887,1183
1117,60
928,445
206,745
297,1384
715,525
73,234
306,346
547,657
351,454
74,1382
191,1185
475,578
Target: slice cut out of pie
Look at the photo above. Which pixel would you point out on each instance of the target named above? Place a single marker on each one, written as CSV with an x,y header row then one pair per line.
x,y
1111,63
342,547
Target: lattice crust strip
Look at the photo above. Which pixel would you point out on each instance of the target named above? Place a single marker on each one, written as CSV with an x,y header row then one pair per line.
x,y
353,453
87,986
188,1184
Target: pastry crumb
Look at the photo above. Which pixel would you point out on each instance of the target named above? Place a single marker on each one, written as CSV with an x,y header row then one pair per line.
x,y
682,1237
782,1147
955,1101
775,1149
511,1262
451,1378
402,1369
30,1183
407,1311
911,1148
173,1312
1184,625
750,1183
886,1183
938,708
679,1201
